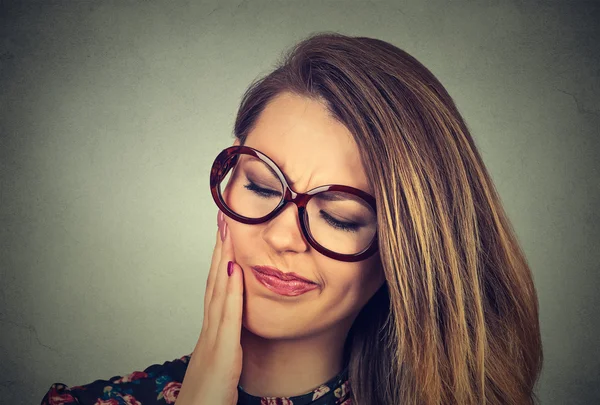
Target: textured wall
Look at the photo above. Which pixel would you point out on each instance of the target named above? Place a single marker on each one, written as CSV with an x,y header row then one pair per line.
x,y
112,112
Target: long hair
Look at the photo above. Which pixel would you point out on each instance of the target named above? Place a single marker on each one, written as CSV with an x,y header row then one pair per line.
x,y
456,321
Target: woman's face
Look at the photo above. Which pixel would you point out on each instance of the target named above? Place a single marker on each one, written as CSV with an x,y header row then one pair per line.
x,y
312,149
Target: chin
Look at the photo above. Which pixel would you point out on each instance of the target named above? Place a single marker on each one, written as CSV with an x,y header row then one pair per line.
x,y
265,332
270,320
263,320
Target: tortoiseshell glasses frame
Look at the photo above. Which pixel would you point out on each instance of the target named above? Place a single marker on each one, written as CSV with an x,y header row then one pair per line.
x,y
227,159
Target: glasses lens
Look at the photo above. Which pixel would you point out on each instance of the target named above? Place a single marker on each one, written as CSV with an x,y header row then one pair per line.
x,y
341,222
251,189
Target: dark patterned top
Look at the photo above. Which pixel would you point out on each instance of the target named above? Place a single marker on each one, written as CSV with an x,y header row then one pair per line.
x,y
160,384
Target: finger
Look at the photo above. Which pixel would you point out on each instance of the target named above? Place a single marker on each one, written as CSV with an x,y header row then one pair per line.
x,y
230,328
210,281
217,301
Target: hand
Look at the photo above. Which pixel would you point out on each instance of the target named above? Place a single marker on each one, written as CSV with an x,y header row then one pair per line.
x,y
215,365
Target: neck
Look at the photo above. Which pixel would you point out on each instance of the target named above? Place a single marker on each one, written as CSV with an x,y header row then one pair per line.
x,y
278,367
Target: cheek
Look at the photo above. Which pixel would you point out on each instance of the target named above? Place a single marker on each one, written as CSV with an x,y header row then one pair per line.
x,y
352,285
242,237
359,275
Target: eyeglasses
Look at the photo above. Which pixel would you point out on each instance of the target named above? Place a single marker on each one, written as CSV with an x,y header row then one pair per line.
x,y
337,221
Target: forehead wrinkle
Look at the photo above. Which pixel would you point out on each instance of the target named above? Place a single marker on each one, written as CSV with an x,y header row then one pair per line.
x,y
294,182
307,176
307,179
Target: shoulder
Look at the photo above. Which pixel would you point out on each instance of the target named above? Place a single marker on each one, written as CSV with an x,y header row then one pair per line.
x,y
156,384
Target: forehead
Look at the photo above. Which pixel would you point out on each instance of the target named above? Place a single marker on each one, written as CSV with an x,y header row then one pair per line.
x,y
308,144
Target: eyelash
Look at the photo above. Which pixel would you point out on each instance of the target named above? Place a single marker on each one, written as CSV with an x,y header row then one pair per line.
x,y
266,193
344,226
263,192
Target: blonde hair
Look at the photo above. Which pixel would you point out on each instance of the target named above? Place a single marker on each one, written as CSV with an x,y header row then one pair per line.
x,y
457,320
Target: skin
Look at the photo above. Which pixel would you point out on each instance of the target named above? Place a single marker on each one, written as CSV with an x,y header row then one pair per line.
x,y
285,336
251,335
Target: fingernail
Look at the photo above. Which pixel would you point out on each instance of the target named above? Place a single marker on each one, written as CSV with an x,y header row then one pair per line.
x,y
219,218
230,268
223,230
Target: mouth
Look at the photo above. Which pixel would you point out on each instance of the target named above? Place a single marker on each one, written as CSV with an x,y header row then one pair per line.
x,y
287,284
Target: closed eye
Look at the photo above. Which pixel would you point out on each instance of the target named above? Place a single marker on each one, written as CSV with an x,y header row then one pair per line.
x,y
262,192
337,224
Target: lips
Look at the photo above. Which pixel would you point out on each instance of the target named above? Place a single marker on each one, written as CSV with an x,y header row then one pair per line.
x,y
288,284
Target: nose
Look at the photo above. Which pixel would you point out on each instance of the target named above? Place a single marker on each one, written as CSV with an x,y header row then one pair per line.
x,y
284,234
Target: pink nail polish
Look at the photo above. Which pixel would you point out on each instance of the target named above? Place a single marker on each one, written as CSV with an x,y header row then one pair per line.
x,y
230,268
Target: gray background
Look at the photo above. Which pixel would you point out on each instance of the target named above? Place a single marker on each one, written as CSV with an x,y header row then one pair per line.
x,y
112,112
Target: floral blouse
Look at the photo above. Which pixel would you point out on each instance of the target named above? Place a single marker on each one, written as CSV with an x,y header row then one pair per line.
x,y
160,384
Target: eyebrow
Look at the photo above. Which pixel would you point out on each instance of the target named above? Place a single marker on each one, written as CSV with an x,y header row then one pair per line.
x,y
341,196
329,196
333,196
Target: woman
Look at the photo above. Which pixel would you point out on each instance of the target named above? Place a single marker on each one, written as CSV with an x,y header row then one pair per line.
x,y
401,284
